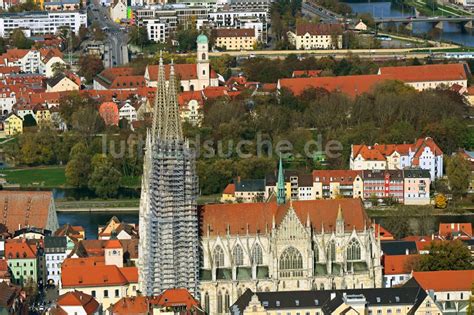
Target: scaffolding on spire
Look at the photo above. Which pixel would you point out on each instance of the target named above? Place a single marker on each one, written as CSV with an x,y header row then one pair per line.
x,y
159,111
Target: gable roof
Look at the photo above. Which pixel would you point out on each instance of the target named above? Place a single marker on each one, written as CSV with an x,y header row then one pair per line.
x,y
229,189
318,29
183,71
79,298
424,73
99,275
352,85
448,280
19,249
176,298
455,229
342,176
397,264
136,305
25,208
233,32
258,217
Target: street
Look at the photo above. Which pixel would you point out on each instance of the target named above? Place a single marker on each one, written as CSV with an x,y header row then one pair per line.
x,y
116,51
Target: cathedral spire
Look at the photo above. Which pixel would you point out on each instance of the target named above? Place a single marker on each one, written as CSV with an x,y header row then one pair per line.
x,y
339,221
173,130
159,117
281,194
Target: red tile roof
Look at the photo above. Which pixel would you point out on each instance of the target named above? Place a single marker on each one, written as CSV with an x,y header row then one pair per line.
x,y
258,217
398,264
448,229
342,176
100,275
233,32
425,73
185,97
137,305
130,273
182,71
352,85
84,261
318,29
306,73
384,234
19,249
79,298
378,152
113,244
212,92
367,152
443,281
176,298
25,208
229,189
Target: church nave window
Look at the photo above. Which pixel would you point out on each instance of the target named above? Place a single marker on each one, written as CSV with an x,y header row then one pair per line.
x,y
291,263
332,250
257,255
218,257
219,303
238,255
353,250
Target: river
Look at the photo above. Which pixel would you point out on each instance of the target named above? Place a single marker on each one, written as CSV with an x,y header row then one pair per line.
x,y
451,32
91,220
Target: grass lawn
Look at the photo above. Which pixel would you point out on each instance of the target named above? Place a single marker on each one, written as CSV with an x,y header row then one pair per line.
x,y
36,177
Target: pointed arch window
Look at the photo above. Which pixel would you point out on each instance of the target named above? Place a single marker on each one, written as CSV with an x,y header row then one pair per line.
x,y
316,253
226,301
332,250
291,263
219,303
218,256
238,255
257,255
353,250
206,303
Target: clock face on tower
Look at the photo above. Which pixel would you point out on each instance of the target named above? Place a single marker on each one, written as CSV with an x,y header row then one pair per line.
x,y
114,252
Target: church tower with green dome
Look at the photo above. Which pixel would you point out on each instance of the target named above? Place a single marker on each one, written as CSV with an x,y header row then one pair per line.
x,y
203,67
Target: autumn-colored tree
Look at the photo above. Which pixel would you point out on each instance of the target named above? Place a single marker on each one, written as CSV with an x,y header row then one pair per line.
x,y
90,66
441,202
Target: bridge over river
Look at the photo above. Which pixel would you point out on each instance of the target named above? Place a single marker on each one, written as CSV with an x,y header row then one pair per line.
x,y
466,21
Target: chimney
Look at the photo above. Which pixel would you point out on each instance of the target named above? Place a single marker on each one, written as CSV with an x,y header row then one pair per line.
x,y
238,179
407,252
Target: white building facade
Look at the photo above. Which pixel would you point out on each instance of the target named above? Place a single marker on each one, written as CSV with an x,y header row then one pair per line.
x,y
40,23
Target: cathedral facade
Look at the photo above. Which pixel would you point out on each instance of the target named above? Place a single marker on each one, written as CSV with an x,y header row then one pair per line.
x,y
304,245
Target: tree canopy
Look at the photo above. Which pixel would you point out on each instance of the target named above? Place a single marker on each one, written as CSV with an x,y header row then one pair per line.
x,y
445,255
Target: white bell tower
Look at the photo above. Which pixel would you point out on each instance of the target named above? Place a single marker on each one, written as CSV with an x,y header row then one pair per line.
x,y
203,68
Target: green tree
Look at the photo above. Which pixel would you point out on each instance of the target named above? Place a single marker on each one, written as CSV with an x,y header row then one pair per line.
x,y
447,255
90,66
458,171
187,39
87,121
59,68
19,40
138,36
105,178
397,223
78,168
29,121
